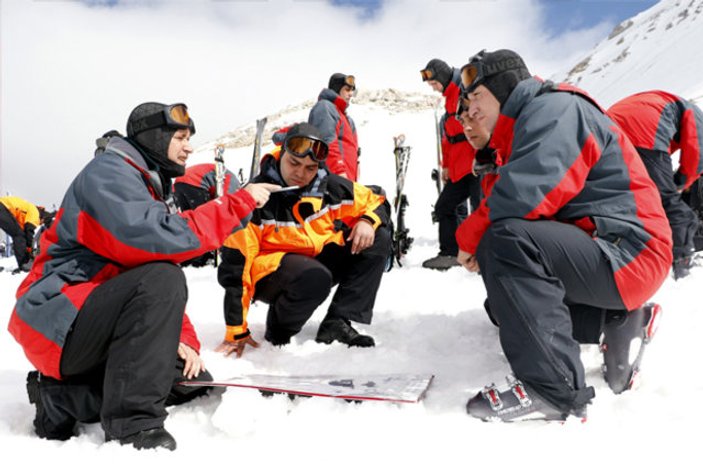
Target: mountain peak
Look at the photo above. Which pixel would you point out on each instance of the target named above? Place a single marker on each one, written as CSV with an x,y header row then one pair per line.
x,y
656,49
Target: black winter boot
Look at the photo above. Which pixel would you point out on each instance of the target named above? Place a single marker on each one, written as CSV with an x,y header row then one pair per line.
x,y
337,329
50,422
155,438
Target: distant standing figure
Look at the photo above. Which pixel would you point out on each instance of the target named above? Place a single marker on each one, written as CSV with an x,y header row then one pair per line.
x,y
460,183
329,116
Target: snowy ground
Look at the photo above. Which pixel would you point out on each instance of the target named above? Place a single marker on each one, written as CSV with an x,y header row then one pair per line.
x,y
425,322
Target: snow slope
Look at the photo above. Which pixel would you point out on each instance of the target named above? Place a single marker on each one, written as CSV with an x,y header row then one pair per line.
x,y
658,48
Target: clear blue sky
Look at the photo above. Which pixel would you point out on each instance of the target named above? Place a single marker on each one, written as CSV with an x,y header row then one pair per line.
x,y
561,14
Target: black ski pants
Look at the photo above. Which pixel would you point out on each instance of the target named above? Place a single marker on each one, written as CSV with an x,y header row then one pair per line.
x,y
9,224
119,360
302,283
549,287
450,210
683,220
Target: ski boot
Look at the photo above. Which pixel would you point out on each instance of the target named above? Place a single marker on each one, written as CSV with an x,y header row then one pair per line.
x,y
440,262
516,403
623,341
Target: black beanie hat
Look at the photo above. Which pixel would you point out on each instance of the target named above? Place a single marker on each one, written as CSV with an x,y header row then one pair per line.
x,y
503,70
441,72
155,140
337,81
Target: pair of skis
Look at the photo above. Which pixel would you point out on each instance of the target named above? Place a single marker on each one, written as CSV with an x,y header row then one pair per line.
x,y
221,170
401,234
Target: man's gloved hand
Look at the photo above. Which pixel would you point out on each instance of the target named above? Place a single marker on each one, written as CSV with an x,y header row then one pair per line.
x,y
484,162
679,180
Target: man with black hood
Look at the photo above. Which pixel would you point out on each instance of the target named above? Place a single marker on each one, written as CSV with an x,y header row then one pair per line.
x,y
329,116
571,240
460,183
101,313
323,230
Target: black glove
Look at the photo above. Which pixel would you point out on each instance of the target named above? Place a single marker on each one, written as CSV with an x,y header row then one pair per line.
x,y
679,179
485,161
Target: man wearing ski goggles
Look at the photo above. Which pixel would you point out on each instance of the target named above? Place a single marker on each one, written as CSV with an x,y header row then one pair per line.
x,y
175,116
478,71
306,146
330,116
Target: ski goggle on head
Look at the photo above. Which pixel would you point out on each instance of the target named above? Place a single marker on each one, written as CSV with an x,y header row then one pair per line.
x,y
427,75
173,116
350,81
301,147
461,106
473,73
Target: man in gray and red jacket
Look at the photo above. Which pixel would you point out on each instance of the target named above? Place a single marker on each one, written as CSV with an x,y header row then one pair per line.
x,y
571,240
658,124
329,116
101,313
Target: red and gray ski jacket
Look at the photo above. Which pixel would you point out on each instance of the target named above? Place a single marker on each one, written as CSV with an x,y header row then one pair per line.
x,y
663,122
112,218
329,116
457,153
564,160
204,176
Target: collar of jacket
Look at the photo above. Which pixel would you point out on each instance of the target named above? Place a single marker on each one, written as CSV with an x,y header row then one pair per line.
x,y
454,84
122,148
332,96
520,97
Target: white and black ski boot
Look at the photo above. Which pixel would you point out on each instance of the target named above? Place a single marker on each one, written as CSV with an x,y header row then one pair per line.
x,y
623,342
516,403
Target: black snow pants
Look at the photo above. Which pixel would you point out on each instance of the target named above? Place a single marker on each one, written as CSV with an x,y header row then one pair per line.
x,y
119,362
301,284
549,287
683,220
450,210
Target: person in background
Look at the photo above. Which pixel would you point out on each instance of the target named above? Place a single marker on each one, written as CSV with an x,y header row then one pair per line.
x,y
322,230
329,116
20,220
197,186
571,240
460,183
658,124
101,313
